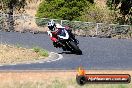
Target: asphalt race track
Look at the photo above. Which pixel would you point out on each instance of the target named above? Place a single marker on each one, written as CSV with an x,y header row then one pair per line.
x,y
98,53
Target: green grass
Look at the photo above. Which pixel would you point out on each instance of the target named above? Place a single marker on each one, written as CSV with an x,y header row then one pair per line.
x,y
18,45
41,51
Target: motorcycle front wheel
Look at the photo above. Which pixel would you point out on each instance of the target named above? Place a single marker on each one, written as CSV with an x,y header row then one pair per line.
x,y
74,48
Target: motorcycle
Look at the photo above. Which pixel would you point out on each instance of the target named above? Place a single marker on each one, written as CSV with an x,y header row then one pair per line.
x,y
68,42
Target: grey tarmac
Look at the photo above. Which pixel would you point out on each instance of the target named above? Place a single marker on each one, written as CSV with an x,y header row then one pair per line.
x,y
98,53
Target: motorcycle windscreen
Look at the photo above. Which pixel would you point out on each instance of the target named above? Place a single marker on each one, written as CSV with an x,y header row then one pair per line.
x,y
63,34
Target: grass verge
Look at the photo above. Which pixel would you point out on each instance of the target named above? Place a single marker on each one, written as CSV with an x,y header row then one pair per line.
x,y
41,51
14,54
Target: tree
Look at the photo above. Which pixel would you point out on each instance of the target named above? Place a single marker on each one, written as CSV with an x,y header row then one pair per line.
x,y
123,7
9,7
62,9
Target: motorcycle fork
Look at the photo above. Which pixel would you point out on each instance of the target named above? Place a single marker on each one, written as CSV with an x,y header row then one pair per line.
x,y
62,44
69,46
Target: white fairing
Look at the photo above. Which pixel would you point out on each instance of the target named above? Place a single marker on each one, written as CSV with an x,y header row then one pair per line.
x,y
59,26
64,37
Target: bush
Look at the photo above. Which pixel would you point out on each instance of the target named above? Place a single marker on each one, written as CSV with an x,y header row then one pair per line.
x,y
62,9
123,8
97,14
41,22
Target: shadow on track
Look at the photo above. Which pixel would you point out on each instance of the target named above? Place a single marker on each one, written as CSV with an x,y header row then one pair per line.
x,y
68,52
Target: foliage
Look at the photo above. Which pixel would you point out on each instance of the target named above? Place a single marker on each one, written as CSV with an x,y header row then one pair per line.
x,y
41,22
123,5
123,8
61,9
97,14
9,6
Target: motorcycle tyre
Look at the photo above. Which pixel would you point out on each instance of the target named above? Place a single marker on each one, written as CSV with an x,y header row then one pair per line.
x,y
75,48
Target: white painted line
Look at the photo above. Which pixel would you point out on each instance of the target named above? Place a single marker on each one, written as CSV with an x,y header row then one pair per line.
x,y
27,63
1,65
41,62
13,64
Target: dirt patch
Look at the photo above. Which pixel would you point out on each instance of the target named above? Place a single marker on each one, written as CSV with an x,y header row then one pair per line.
x,y
14,54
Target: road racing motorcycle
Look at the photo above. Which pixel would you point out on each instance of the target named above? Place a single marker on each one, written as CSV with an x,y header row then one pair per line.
x,y
67,41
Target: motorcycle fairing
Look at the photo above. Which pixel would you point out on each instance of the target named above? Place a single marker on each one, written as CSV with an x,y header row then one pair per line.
x,y
63,34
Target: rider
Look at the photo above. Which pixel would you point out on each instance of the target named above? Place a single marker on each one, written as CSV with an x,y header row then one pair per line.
x,y
56,32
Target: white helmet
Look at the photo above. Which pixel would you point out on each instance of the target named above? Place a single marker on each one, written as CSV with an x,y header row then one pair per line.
x,y
51,25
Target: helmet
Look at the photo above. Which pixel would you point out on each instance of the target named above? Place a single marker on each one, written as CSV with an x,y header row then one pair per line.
x,y
51,25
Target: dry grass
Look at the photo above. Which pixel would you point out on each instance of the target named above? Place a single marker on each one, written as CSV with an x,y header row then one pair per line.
x,y
32,7
14,54
29,24
101,3
53,79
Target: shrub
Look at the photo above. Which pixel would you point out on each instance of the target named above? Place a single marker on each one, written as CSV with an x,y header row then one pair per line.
x,y
41,22
61,9
97,14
